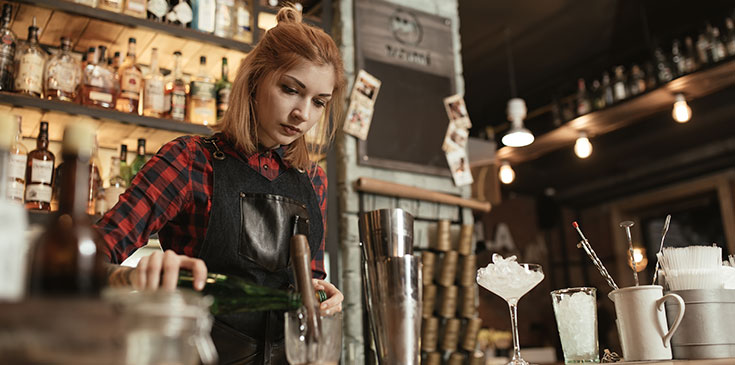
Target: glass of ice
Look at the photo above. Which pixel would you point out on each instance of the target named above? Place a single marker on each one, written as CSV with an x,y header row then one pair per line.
x,y
510,280
576,317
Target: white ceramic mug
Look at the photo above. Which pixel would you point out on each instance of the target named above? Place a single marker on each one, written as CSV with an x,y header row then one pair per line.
x,y
641,320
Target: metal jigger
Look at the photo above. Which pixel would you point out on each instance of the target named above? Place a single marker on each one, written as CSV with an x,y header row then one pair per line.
x,y
392,283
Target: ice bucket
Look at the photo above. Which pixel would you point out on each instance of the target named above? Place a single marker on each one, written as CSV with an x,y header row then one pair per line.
x,y
707,330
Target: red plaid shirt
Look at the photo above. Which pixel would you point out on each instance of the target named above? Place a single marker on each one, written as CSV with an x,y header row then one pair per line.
x,y
172,195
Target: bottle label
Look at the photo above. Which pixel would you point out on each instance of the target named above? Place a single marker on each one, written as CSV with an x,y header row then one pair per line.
x,y
204,112
205,15
153,96
183,11
243,18
130,84
178,104
619,91
30,73
41,171
63,77
17,166
157,7
202,90
100,96
15,190
137,6
223,99
7,50
38,193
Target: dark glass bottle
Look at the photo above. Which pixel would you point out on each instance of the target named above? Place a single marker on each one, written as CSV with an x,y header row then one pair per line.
x,y
40,173
66,260
663,70
177,92
7,50
637,80
139,160
677,59
584,105
598,100
607,90
224,87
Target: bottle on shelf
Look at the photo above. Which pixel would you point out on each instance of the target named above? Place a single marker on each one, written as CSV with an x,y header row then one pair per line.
x,y
111,5
663,70
202,96
730,37
153,95
243,32
31,61
136,8
66,260
116,63
7,50
91,3
63,74
607,91
233,294
118,183
131,81
224,88
224,24
703,51
13,220
204,15
99,86
95,179
677,60
584,105
637,80
139,160
180,14
17,164
598,99
620,87
40,173
719,52
690,55
157,10
125,171
651,80
88,59
176,92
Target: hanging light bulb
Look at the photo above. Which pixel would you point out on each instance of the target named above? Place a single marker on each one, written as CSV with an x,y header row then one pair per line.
x,y
583,147
507,175
682,112
518,136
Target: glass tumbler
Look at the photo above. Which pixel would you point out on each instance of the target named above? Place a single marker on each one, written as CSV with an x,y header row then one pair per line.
x,y
576,317
329,345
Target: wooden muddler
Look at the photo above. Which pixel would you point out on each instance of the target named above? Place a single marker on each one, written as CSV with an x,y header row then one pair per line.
x,y
301,261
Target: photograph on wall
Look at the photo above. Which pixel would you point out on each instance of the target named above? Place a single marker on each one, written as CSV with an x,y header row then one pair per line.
x,y
460,166
455,138
362,103
457,111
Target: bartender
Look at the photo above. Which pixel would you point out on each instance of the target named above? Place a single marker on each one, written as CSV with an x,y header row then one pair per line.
x,y
226,203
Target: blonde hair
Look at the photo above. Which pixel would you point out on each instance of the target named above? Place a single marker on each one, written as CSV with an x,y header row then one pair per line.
x,y
281,48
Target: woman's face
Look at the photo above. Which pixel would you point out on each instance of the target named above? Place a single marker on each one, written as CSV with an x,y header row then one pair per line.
x,y
289,106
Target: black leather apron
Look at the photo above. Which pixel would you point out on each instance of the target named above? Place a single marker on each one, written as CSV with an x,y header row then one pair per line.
x,y
250,226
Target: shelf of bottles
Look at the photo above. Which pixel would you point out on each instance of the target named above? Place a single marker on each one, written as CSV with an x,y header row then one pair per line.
x,y
695,67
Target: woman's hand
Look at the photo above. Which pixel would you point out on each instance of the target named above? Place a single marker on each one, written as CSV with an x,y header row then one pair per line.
x,y
161,270
333,304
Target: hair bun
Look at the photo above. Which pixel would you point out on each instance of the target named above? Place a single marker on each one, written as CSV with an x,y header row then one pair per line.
x,y
288,14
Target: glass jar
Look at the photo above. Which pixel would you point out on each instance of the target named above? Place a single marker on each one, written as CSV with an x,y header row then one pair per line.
x,y
329,345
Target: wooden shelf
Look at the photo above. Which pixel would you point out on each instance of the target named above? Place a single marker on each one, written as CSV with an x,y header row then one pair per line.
x,y
625,113
122,19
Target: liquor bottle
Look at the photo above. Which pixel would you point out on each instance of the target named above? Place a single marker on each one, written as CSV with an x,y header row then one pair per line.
x,y
677,60
233,294
204,15
703,51
40,173
31,60
63,74
607,90
7,50
598,99
620,88
730,37
116,63
719,52
118,184
95,179
176,92
243,31
181,13
224,23
637,81
111,5
224,88
13,220
131,81
17,164
153,105
136,8
651,81
202,98
584,105
663,70
139,160
99,87
157,10
690,55
125,171
66,260
89,58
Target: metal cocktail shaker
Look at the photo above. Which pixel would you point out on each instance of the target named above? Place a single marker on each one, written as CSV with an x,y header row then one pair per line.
x,y
392,284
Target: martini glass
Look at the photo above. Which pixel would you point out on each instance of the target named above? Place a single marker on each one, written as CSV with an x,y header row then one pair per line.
x,y
510,281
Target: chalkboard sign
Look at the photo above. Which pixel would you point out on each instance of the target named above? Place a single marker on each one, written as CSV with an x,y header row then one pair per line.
x,y
411,53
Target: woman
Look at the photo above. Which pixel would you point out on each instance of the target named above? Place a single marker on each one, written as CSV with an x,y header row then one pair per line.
x,y
226,203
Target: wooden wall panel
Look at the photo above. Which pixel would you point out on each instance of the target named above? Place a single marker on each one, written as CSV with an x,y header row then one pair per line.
x,y
63,25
